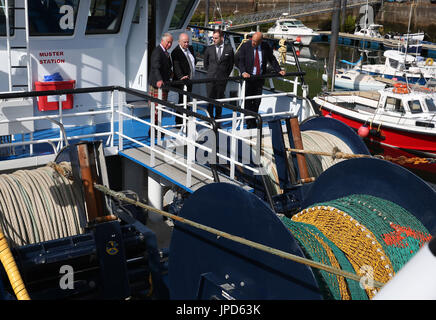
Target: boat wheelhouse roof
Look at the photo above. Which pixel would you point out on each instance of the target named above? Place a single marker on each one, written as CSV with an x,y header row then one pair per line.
x,y
293,20
398,56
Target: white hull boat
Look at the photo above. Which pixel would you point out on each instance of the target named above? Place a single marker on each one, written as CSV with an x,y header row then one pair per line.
x,y
401,67
293,30
354,80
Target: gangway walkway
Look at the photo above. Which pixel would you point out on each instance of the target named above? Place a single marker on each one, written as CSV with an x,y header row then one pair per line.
x,y
175,172
294,11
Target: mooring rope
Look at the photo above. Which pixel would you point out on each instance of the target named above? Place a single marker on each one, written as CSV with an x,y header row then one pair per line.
x,y
38,205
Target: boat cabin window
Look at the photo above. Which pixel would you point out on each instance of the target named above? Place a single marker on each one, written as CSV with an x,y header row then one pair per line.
x,y
415,106
52,17
3,19
292,24
105,16
431,106
181,12
393,63
394,104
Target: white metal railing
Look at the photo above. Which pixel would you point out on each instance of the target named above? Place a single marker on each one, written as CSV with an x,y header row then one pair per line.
x,y
186,135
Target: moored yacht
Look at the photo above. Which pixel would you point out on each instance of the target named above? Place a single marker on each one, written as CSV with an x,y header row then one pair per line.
x,y
371,31
292,29
400,66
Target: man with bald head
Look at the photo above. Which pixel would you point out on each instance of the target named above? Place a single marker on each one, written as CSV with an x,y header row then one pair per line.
x,y
184,65
254,56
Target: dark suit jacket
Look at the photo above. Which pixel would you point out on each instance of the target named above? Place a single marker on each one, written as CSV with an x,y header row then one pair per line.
x,y
180,62
218,68
160,66
245,61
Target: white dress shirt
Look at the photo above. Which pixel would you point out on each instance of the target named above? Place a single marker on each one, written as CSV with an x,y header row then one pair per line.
x,y
190,58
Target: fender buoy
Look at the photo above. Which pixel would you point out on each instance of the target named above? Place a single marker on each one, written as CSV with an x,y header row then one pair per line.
x,y
363,131
429,62
400,88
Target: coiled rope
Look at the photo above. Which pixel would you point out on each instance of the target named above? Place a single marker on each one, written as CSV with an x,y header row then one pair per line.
x,y
38,205
315,141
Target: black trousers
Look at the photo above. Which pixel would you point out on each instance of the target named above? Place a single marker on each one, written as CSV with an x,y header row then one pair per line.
x,y
253,88
179,120
215,90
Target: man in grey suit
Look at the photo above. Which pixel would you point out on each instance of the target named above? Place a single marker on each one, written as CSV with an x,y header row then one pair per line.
x,y
218,61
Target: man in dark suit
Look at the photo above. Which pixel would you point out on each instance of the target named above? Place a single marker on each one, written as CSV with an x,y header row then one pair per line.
x,y
218,61
184,65
254,56
160,68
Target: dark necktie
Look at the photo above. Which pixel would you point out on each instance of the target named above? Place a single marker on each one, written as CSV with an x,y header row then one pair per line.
x,y
257,61
219,52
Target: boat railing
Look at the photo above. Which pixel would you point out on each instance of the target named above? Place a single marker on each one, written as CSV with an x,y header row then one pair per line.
x,y
242,98
160,135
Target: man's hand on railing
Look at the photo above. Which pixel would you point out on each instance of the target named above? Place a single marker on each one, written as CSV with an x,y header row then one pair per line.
x,y
282,72
246,75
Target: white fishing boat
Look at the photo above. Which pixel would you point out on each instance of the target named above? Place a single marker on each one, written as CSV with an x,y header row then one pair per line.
x,y
398,121
370,31
418,36
292,29
402,67
353,79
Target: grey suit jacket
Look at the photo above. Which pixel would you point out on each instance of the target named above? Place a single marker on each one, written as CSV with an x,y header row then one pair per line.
x,y
221,68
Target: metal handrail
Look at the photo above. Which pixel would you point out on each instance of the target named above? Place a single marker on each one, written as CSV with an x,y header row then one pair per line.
x,y
184,112
236,78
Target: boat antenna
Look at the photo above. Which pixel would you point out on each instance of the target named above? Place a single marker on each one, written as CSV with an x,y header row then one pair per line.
x,y
407,40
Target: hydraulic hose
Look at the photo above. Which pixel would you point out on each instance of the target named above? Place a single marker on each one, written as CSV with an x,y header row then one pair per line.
x,y
8,261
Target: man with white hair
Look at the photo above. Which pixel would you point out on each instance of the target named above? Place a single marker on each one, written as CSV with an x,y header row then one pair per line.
x,y
161,66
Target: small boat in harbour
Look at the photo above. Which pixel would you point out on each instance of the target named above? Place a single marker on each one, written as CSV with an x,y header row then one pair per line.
x,y
397,121
419,36
403,67
354,80
371,31
292,29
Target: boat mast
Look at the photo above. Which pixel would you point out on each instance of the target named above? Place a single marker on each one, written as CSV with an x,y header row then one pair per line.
x,y
333,45
407,39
